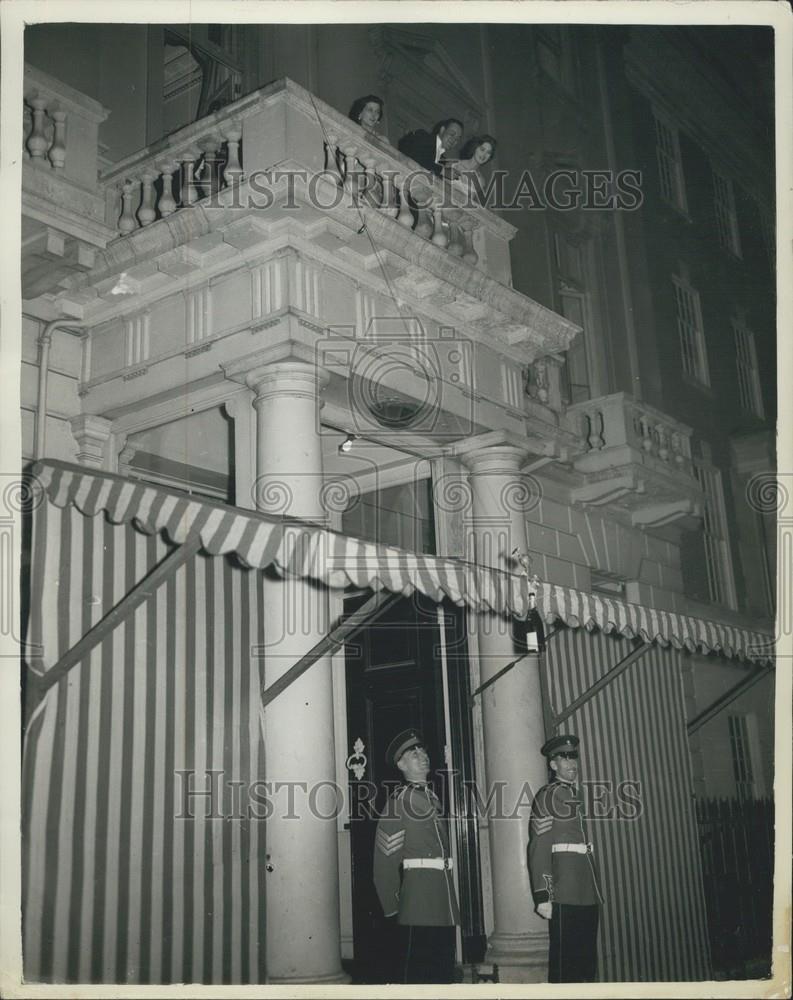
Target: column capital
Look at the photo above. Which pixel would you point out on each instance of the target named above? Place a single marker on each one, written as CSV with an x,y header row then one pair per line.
x,y
91,434
286,378
498,451
503,458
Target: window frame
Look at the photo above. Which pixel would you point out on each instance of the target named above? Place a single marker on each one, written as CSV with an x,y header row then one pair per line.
x,y
671,176
726,215
691,336
750,391
716,536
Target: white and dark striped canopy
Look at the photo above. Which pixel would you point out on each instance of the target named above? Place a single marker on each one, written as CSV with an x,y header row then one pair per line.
x,y
303,549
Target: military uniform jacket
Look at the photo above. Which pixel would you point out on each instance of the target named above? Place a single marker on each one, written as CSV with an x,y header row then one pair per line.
x,y
413,827
560,876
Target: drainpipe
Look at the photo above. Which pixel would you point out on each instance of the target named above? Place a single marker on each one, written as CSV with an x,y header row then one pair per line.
x,y
45,342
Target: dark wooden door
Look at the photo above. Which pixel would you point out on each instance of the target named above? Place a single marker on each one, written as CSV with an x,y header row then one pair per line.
x,y
394,681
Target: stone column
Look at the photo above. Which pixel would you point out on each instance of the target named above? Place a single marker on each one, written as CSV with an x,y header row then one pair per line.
x,y
239,410
512,718
303,932
91,434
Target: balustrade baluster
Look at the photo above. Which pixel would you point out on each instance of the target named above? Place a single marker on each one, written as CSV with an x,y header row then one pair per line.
x,y
456,240
127,223
424,225
27,128
405,216
38,144
647,440
601,429
592,436
439,237
372,187
663,442
232,171
469,254
147,213
57,153
211,181
597,424
350,179
389,206
677,449
191,189
167,202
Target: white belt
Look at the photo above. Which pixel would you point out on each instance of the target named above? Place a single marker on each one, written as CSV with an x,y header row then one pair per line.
x,y
441,864
572,848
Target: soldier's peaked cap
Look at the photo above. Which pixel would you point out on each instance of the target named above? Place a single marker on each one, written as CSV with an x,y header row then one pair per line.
x,y
567,743
401,742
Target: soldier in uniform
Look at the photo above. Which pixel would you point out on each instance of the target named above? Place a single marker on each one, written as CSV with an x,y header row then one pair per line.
x,y
413,866
564,879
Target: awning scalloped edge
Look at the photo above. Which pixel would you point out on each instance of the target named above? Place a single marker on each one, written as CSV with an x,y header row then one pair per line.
x,y
305,550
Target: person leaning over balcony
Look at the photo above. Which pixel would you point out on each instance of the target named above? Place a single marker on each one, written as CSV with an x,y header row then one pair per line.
x,y
367,111
413,867
564,880
473,156
430,149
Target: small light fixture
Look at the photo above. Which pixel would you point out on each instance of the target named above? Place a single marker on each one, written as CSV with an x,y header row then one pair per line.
x,y
347,444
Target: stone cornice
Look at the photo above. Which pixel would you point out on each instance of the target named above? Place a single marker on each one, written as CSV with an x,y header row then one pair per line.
x,y
517,325
59,203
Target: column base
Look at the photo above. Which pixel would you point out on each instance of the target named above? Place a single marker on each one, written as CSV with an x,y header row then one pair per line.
x,y
521,958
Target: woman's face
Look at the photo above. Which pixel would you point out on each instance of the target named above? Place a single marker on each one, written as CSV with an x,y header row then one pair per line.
x,y
370,115
483,153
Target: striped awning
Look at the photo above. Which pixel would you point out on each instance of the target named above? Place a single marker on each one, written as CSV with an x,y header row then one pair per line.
x,y
302,549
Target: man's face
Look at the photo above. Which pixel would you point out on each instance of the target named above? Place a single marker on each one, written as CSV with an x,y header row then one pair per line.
x,y
565,766
415,763
450,136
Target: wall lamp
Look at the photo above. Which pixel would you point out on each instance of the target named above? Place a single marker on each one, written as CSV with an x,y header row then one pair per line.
x,y
347,444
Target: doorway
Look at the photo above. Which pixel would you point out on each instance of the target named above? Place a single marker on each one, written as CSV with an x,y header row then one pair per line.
x,y
409,669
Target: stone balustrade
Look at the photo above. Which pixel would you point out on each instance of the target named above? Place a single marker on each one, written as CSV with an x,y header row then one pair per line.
x,y
617,421
431,207
636,459
282,127
60,128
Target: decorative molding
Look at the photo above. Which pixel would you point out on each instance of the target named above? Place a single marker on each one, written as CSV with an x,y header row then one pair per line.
x,y
201,349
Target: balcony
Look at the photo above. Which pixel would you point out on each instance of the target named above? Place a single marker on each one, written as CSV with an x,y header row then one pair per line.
x,y
231,156
277,228
63,215
636,459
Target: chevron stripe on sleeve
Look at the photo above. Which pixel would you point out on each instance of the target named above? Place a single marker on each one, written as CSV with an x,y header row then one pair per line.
x,y
389,845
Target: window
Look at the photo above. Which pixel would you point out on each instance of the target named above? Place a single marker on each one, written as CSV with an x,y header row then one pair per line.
x,y
394,515
202,70
670,164
726,218
573,305
690,330
748,375
721,585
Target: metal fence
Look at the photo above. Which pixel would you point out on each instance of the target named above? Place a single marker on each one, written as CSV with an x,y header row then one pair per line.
x,y
737,843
